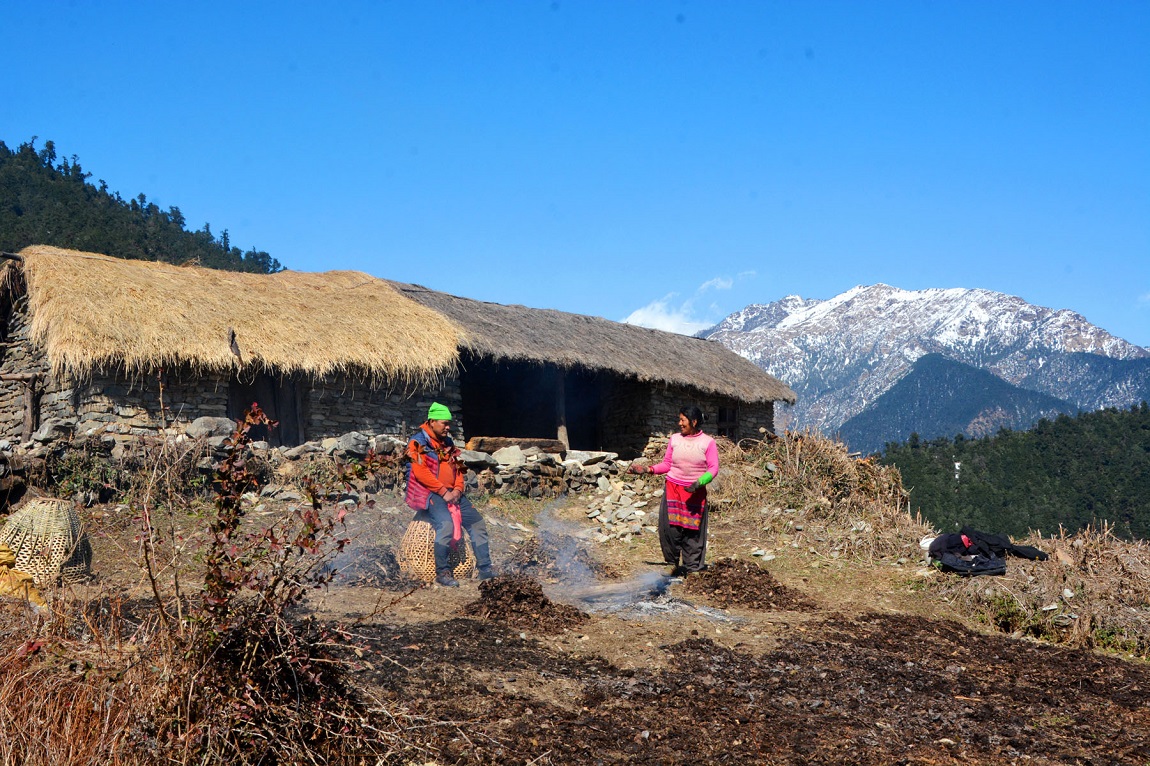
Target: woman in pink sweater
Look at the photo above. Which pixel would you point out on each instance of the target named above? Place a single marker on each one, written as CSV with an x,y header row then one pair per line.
x,y
691,462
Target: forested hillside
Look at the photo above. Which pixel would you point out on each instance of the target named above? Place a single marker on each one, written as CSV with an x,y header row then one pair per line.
x,y
1069,471
48,202
944,397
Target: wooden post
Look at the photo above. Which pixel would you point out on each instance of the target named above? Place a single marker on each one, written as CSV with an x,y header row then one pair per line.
x,y
30,408
561,408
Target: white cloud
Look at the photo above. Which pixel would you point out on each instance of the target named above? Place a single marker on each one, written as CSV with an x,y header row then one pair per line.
x,y
661,315
747,274
682,317
718,283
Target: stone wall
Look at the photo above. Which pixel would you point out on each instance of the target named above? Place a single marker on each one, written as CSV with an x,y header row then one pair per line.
x,y
130,404
636,414
336,407
21,357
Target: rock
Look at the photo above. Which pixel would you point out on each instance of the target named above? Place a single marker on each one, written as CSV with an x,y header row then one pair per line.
x,y
588,457
511,456
385,444
477,461
218,442
54,429
603,483
207,427
295,453
261,446
353,444
329,444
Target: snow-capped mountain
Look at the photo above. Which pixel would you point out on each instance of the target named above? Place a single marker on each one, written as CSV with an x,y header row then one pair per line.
x,y
841,354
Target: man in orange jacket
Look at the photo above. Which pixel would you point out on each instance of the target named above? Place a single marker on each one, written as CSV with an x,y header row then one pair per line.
x,y
435,492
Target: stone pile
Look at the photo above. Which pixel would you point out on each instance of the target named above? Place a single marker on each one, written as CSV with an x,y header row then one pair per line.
x,y
527,472
626,511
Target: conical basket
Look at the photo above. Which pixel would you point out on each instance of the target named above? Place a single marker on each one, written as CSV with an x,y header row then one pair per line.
x,y
417,554
49,541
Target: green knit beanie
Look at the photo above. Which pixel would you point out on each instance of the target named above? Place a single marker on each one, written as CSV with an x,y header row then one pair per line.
x,y
438,411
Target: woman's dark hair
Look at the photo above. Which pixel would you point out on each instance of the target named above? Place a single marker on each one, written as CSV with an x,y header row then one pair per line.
x,y
694,415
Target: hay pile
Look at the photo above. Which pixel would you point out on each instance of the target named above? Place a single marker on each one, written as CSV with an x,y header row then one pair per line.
x,y
806,489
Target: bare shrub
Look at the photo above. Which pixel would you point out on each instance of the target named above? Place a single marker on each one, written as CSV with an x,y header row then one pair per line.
x,y
226,670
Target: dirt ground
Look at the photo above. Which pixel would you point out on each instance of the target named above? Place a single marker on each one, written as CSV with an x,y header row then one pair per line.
x,y
587,653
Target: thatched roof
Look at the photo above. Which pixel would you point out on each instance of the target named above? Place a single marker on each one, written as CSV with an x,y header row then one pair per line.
x,y
91,312
545,336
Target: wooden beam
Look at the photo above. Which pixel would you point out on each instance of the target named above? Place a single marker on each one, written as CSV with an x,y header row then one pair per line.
x,y
492,443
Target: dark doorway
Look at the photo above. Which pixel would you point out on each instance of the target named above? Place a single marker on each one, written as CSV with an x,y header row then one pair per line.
x,y
519,399
280,398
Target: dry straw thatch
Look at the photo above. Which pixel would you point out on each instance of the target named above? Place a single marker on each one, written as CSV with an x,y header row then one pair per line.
x,y
546,336
94,312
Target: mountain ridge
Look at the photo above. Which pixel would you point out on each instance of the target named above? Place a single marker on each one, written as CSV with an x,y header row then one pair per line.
x,y
842,354
943,397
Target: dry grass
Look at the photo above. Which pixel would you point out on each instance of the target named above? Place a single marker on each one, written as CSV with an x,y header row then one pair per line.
x,y
85,684
807,491
91,311
71,692
523,334
1093,592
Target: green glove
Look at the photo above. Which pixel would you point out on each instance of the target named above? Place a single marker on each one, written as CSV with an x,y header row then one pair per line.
x,y
702,481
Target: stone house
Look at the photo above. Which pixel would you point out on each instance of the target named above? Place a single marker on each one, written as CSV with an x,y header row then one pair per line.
x,y
136,347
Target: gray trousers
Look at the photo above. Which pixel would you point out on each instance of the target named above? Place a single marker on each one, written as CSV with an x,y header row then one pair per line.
x,y
440,518
686,547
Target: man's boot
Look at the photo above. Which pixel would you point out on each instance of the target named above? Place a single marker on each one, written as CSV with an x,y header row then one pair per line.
x,y
486,573
446,578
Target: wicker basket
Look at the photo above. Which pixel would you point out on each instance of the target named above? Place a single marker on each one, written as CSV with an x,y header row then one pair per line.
x,y
417,554
49,541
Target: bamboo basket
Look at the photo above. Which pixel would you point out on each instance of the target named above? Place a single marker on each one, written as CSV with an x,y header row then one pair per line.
x,y
49,542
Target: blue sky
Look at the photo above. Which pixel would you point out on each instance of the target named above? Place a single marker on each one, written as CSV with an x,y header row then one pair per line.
x,y
670,162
